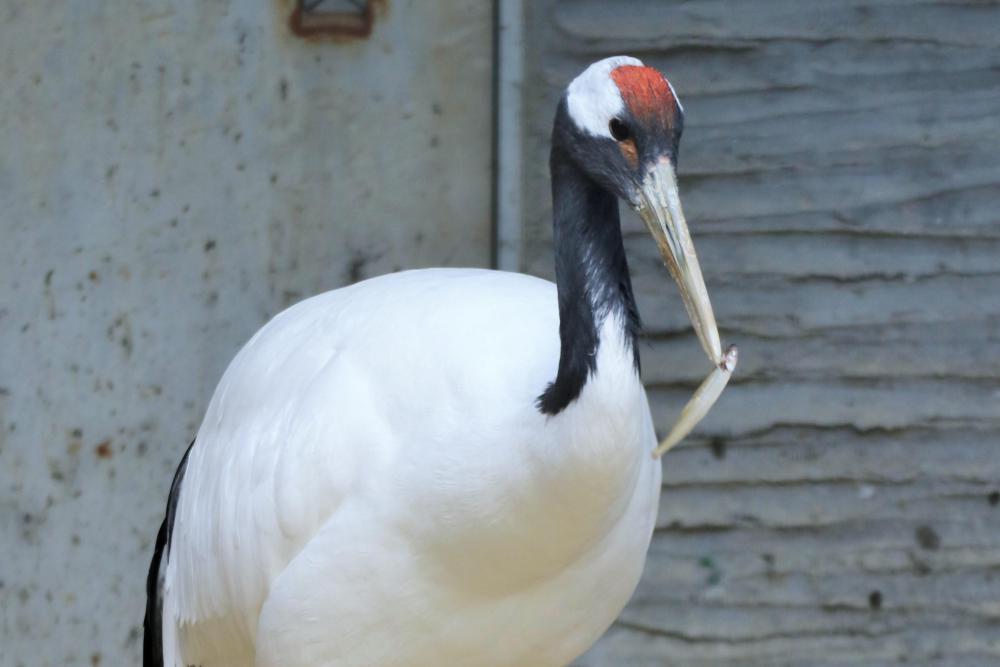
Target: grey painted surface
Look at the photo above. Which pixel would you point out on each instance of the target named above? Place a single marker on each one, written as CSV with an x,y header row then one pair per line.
x,y
841,172
172,174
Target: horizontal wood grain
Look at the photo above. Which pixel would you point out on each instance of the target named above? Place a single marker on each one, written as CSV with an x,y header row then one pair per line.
x,y
840,173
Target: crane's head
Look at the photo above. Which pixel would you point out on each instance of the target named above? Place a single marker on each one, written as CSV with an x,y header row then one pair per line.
x,y
620,123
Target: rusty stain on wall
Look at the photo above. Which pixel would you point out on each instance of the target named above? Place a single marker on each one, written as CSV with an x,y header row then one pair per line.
x,y
305,23
318,23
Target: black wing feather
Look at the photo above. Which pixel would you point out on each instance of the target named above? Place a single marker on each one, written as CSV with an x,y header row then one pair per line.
x,y
152,640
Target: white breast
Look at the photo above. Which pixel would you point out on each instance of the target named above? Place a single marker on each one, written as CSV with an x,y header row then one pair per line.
x,y
373,484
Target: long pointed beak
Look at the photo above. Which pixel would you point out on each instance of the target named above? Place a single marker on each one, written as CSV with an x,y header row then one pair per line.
x,y
660,208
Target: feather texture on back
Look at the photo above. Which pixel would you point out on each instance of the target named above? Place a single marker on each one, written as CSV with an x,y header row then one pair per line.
x,y
356,497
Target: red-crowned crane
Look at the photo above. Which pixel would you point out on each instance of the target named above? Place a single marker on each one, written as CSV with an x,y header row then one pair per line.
x,y
444,467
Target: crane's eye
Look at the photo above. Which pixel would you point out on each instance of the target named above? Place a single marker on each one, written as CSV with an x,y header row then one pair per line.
x,y
619,130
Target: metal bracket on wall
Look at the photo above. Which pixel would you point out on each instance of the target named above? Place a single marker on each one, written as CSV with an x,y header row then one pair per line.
x,y
338,18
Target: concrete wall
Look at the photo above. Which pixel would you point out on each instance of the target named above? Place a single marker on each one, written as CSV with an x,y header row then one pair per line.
x,y
840,170
171,175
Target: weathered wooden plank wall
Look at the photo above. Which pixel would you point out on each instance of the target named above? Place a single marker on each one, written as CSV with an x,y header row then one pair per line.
x,y
841,171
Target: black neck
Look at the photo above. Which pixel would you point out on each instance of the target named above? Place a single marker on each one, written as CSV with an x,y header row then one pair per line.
x,y
591,276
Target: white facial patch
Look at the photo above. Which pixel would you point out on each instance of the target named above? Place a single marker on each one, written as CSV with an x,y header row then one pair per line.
x,y
593,99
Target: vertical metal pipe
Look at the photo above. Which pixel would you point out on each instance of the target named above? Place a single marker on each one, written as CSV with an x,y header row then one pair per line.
x,y
509,135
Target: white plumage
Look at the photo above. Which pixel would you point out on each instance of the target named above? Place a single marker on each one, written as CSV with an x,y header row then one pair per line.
x,y
446,467
373,459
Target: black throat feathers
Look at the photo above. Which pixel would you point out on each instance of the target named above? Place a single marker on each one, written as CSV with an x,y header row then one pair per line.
x,y
592,278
